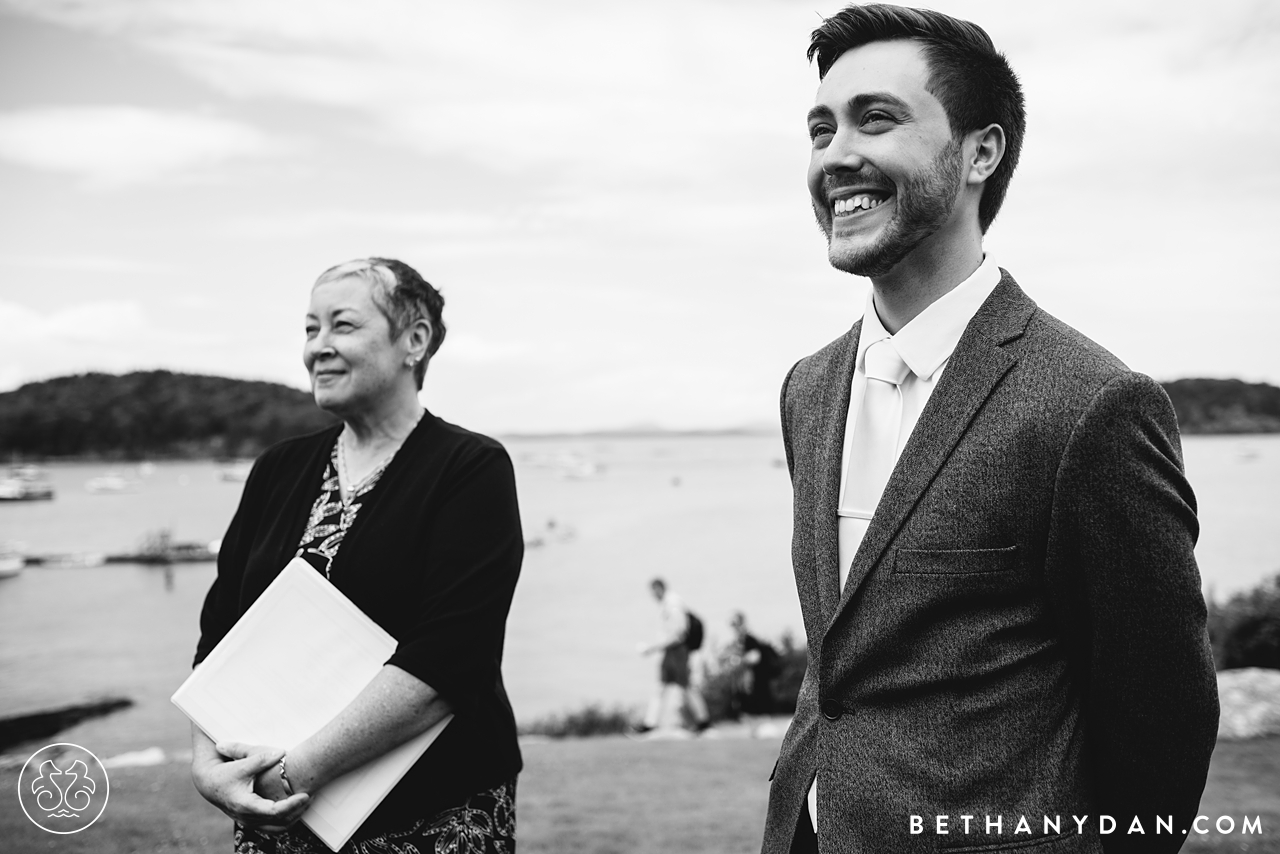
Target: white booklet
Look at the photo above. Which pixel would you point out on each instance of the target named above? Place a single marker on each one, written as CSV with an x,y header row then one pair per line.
x,y
297,657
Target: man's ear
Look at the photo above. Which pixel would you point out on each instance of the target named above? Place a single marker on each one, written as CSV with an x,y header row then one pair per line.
x,y
420,335
988,146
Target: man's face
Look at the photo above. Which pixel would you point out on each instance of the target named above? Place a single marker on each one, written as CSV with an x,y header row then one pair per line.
x,y
885,171
659,590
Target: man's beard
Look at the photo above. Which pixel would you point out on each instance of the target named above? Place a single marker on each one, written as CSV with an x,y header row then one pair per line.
x,y
922,205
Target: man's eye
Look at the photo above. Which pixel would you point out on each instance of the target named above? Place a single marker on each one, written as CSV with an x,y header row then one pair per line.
x,y
818,131
876,117
313,331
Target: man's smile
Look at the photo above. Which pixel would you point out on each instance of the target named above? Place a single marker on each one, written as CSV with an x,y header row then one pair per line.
x,y
849,206
852,201
859,202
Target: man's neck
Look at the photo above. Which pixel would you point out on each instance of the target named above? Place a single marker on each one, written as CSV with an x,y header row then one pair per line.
x,y
924,276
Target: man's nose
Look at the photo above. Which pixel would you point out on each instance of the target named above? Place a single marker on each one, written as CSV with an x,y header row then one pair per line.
x,y
842,154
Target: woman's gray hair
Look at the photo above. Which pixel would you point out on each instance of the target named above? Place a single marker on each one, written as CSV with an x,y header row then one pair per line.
x,y
403,297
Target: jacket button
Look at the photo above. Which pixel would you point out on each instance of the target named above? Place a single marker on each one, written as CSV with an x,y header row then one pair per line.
x,y
831,709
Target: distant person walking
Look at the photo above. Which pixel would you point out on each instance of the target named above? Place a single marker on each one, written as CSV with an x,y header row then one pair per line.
x,y
675,642
757,669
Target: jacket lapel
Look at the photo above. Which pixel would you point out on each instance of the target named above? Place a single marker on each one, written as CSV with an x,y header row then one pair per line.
x,y
972,373
833,417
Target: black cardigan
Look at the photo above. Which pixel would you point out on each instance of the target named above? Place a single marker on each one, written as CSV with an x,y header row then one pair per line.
x,y
433,558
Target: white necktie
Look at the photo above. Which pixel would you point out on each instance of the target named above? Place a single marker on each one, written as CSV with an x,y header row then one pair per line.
x,y
873,449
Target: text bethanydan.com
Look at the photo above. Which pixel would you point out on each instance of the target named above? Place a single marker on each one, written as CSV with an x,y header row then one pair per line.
x,y
995,825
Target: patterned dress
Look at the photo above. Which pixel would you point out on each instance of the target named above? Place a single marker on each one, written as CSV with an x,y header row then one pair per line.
x,y
484,824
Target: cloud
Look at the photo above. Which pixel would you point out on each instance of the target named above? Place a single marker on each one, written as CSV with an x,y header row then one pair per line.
x,y
103,335
84,337
309,223
116,145
82,264
466,347
595,91
102,322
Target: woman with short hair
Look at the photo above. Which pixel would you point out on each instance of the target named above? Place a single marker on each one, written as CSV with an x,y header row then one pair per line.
x,y
415,520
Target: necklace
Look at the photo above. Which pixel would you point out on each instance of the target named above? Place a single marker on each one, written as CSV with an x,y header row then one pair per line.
x,y
343,476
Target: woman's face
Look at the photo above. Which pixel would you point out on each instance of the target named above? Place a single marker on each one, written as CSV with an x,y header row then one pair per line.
x,y
349,353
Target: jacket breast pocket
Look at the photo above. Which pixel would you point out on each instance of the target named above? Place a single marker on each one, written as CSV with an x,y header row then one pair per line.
x,y
953,562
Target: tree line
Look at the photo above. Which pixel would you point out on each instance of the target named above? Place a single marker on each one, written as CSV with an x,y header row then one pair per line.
x,y
1225,406
164,414
151,414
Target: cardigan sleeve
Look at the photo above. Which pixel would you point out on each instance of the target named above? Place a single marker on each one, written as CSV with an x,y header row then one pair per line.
x,y
471,561
222,602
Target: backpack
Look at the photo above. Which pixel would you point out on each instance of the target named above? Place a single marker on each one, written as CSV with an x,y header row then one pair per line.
x,y
693,633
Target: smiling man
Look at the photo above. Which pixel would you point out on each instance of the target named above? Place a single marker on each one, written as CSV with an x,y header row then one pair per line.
x,y
993,536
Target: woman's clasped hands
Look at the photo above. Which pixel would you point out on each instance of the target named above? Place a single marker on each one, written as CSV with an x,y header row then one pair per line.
x,y
243,781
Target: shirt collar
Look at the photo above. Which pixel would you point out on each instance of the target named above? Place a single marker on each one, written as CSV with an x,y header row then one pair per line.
x,y
930,338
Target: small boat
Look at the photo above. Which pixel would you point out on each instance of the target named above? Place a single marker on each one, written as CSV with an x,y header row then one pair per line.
x,y
11,560
25,483
571,465
173,553
110,482
159,548
236,472
67,559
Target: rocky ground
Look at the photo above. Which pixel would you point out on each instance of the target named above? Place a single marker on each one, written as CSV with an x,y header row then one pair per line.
x,y
1250,698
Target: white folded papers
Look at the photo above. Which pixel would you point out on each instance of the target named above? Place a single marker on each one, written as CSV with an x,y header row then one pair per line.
x,y
297,657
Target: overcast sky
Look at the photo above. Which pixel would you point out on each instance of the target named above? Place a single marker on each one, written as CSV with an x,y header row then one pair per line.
x,y
610,196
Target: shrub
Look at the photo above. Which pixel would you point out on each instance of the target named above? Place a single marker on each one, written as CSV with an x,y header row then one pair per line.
x,y
721,680
1245,630
593,719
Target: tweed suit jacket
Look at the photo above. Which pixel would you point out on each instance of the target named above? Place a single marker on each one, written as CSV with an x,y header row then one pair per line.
x,y
1022,632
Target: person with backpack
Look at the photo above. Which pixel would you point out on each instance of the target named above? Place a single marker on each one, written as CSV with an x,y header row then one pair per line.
x,y
680,634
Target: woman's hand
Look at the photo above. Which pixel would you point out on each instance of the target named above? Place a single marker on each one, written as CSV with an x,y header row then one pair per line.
x,y
269,783
226,774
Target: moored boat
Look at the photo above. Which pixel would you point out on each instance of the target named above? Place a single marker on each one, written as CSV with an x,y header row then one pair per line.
x,y
235,472
25,483
110,482
11,560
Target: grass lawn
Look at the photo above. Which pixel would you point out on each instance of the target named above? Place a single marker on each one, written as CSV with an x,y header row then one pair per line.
x,y
601,796
1244,779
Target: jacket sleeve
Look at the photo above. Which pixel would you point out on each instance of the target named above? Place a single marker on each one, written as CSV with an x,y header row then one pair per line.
x,y
786,422
471,564
1124,529
222,602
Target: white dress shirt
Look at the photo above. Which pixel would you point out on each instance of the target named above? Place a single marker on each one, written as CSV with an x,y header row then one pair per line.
x,y
925,344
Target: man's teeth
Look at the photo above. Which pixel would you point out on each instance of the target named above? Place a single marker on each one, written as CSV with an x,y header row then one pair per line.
x,y
859,202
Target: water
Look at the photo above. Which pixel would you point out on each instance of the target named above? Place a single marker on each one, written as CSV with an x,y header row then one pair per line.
x,y
1237,484
710,514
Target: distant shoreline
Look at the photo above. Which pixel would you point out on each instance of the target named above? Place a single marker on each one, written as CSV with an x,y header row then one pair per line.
x,y
560,436
163,415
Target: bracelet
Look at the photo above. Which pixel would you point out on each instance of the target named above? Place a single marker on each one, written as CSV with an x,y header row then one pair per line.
x,y
284,777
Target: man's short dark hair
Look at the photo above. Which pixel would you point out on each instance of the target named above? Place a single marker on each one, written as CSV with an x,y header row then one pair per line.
x,y
972,79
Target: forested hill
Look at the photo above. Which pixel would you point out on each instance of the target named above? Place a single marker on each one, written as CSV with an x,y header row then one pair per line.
x,y
151,414
1225,406
163,414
